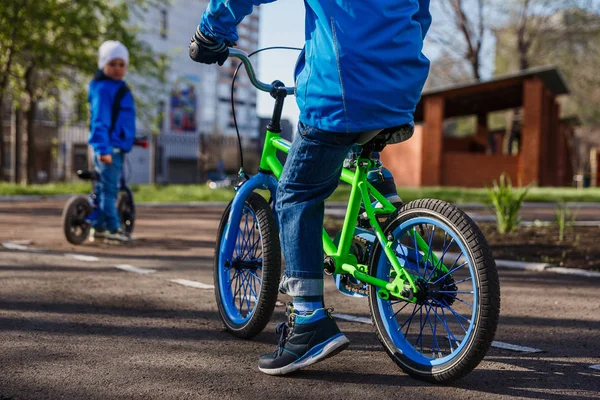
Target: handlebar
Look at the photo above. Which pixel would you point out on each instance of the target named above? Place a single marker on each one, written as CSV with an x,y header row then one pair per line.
x,y
141,142
265,87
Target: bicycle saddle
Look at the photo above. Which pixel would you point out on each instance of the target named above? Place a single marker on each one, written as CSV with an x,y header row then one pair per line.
x,y
376,140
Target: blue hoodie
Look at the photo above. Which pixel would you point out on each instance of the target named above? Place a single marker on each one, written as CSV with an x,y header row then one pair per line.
x,y
362,67
101,95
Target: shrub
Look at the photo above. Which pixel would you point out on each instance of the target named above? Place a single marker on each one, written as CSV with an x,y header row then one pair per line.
x,y
565,219
506,202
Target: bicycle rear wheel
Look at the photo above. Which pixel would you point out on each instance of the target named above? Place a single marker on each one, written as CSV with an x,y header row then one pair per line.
x,y
126,211
448,331
246,282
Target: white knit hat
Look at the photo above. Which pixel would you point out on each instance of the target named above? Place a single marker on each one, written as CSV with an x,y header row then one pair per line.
x,y
111,50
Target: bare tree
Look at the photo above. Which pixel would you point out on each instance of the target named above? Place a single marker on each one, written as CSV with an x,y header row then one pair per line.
x,y
469,19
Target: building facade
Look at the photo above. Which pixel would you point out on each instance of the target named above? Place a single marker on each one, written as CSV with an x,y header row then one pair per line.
x,y
191,105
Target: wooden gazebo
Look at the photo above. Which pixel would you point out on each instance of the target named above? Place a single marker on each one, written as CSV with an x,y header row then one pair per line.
x,y
430,159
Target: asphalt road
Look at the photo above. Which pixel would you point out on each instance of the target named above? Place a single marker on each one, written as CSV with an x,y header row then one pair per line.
x,y
73,327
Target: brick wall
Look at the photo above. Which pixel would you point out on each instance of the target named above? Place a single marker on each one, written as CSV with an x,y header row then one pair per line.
x,y
476,170
404,160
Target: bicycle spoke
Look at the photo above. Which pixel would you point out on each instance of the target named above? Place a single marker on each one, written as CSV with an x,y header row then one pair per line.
x,y
414,240
421,326
429,246
450,334
441,259
464,280
396,313
464,302
451,291
434,337
409,321
452,270
256,276
456,315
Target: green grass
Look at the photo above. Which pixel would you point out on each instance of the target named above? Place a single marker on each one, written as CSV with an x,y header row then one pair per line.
x,y
10,189
179,193
195,193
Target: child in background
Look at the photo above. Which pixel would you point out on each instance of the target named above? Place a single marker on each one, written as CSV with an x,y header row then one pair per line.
x,y
112,133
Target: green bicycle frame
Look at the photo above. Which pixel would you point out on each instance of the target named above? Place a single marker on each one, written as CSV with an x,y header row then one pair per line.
x,y
403,285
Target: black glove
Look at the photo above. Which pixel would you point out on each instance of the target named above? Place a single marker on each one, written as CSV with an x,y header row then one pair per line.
x,y
206,50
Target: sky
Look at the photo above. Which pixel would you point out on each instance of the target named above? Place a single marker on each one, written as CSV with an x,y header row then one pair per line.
x,y
282,24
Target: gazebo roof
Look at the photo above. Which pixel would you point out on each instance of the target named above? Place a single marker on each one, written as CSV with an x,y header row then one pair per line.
x,y
501,93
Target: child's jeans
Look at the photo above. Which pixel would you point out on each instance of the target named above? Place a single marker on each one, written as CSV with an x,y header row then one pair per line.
x,y
107,189
310,175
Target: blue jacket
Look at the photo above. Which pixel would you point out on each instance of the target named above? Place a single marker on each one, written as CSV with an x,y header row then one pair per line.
x,y
362,67
101,95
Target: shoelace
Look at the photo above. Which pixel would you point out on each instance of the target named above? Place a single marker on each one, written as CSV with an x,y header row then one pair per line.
x,y
284,329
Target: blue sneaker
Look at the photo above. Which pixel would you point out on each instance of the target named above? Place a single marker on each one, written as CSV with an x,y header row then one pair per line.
x,y
304,340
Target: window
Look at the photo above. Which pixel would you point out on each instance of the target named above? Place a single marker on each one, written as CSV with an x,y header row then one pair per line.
x,y
161,115
163,24
163,66
80,109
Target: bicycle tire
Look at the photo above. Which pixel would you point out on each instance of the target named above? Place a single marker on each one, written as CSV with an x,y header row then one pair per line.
x,y
126,211
482,278
74,219
264,295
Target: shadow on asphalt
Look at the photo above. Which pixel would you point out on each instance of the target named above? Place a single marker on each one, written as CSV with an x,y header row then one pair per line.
x,y
536,382
534,278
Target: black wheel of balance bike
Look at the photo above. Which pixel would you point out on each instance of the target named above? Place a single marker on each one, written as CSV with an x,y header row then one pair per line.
x,y
75,219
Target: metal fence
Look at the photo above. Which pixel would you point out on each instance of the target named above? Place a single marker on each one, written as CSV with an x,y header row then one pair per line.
x,y
60,149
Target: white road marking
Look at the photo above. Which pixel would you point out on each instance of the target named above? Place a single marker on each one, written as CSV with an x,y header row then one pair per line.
x,y
353,318
82,257
194,284
19,247
596,367
499,345
574,271
514,347
527,266
25,242
131,268
251,298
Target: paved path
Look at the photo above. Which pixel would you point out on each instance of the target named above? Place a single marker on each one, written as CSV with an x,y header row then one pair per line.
x,y
73,327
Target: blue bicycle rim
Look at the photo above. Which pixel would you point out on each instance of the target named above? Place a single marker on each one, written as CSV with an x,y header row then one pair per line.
x,y
437,328
240,276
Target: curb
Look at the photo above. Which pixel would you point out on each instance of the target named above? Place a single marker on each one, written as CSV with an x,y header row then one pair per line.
x,y
543,267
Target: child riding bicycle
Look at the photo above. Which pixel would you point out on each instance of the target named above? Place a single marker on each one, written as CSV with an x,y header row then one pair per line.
x,y
361,71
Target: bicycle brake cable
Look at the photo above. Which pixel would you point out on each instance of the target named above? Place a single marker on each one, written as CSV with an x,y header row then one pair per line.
x,y
241,173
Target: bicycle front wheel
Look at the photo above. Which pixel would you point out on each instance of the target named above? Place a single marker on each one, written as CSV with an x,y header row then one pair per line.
x,y
246,282
448,331
76,225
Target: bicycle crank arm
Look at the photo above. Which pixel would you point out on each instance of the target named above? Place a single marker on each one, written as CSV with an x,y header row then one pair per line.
x,y
398,288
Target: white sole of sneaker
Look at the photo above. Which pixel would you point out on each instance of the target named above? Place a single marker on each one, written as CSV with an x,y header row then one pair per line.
x,y
332,348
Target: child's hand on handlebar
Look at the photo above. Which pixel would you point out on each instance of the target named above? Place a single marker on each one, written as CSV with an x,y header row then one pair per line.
x,y
207,50
106,159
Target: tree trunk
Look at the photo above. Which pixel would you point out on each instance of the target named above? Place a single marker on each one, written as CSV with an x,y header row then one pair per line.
x,y
31,112
20,128
30,88
2,152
